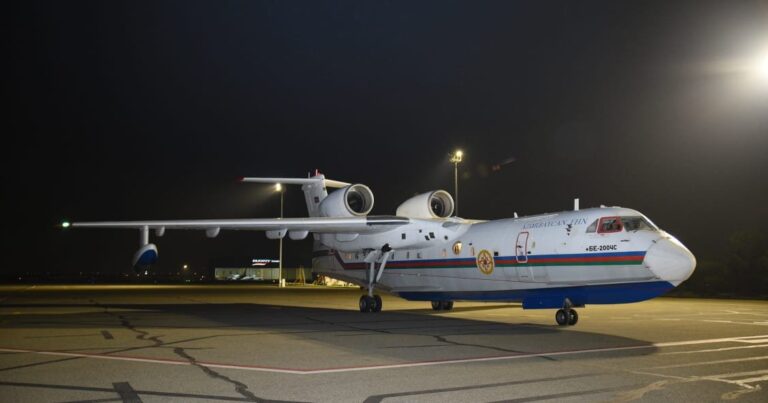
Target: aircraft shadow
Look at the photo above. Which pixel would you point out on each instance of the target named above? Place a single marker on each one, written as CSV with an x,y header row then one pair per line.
x,y
397,334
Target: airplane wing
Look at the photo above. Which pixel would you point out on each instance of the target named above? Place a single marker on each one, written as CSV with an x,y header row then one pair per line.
x,y
359,225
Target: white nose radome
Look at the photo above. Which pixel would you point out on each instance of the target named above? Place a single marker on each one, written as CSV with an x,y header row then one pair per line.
x,y
670,260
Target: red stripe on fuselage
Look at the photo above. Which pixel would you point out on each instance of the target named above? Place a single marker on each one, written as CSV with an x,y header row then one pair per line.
x,y
450,263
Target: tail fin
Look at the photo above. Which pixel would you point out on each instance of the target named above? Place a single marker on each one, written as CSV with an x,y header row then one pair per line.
x,y
314,188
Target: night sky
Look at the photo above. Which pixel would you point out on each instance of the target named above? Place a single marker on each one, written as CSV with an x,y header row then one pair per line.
x,y
152,110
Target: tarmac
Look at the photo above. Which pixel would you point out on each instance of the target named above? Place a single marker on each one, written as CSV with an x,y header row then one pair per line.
x,y
238,342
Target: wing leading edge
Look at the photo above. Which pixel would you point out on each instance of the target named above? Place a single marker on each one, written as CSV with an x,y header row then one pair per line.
x,y
360,225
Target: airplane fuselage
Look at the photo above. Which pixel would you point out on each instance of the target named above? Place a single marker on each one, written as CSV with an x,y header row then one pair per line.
x,y
587,256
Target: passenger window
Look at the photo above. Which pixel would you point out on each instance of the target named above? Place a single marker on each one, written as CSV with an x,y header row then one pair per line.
x,y
609,224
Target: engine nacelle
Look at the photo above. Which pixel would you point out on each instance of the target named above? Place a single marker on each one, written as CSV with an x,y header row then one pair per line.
x,y
350,201
144,257
436,204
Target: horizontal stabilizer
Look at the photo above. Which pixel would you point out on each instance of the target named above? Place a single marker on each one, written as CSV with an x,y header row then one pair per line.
x,y
297,181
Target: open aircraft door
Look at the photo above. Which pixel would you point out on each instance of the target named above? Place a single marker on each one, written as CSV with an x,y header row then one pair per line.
x,y
521,255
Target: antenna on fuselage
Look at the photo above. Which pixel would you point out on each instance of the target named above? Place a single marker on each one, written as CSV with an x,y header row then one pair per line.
x,y
576,204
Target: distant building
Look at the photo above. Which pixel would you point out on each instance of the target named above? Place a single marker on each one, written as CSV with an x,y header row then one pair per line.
x,y
255,269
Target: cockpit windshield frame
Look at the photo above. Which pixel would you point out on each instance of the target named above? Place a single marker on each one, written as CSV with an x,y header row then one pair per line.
x,y
608,225
638,223
613,224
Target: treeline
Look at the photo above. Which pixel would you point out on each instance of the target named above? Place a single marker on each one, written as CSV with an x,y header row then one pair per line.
x,y
738,269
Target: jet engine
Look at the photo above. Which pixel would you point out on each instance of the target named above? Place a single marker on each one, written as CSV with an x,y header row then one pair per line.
x,y
436,204
350,201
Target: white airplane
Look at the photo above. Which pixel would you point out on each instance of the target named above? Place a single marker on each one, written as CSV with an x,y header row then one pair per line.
x,y
605,255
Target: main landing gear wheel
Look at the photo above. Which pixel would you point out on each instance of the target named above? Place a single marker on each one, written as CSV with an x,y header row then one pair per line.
x,y
565,317
560,317
573,317
442,305
365,303
370,304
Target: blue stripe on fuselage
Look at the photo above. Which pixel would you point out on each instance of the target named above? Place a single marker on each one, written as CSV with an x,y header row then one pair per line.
x,y
554,297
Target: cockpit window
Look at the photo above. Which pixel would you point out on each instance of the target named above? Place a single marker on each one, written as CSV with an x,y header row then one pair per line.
x,y
592,227
609,224
637,224
615,224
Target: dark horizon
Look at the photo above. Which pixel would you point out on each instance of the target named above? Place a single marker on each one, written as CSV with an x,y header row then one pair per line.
x,y
125,110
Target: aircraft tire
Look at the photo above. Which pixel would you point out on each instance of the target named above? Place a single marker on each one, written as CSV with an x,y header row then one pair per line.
x,y
573,317
365,303
561,317
437,305
447,305
377,304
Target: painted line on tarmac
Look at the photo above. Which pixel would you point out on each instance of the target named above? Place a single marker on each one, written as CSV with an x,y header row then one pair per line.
x,y
733,322
694,364
716,350
381,366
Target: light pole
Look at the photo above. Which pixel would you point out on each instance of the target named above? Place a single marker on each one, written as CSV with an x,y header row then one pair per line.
x,y
279,188
455,159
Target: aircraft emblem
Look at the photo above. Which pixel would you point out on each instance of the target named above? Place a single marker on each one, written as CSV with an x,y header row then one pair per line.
x,y
485,262
457,248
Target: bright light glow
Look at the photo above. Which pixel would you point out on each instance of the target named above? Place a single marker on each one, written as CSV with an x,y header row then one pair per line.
x,y
186,267
762,67
65,224
278,187
456,157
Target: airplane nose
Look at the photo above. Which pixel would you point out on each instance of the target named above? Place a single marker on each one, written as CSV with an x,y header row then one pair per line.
x,y
670,260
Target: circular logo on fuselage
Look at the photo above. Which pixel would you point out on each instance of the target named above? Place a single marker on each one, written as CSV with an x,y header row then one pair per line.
x,y
485,262
457,248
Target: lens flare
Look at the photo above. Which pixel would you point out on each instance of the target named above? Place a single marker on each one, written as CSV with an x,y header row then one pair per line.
x,y
762,67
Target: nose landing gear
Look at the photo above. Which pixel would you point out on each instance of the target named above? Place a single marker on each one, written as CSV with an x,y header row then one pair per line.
x,y
442,305
567,316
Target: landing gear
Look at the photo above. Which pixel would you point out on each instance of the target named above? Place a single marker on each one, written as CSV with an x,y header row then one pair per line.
x,y
442,305
573,317
370,304
567,315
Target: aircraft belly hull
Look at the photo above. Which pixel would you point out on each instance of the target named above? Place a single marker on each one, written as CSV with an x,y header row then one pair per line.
x,y
553,297
546,286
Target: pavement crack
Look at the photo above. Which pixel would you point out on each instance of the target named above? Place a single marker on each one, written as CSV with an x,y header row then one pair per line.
x,y
140,334
348,326
504,350
240,387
